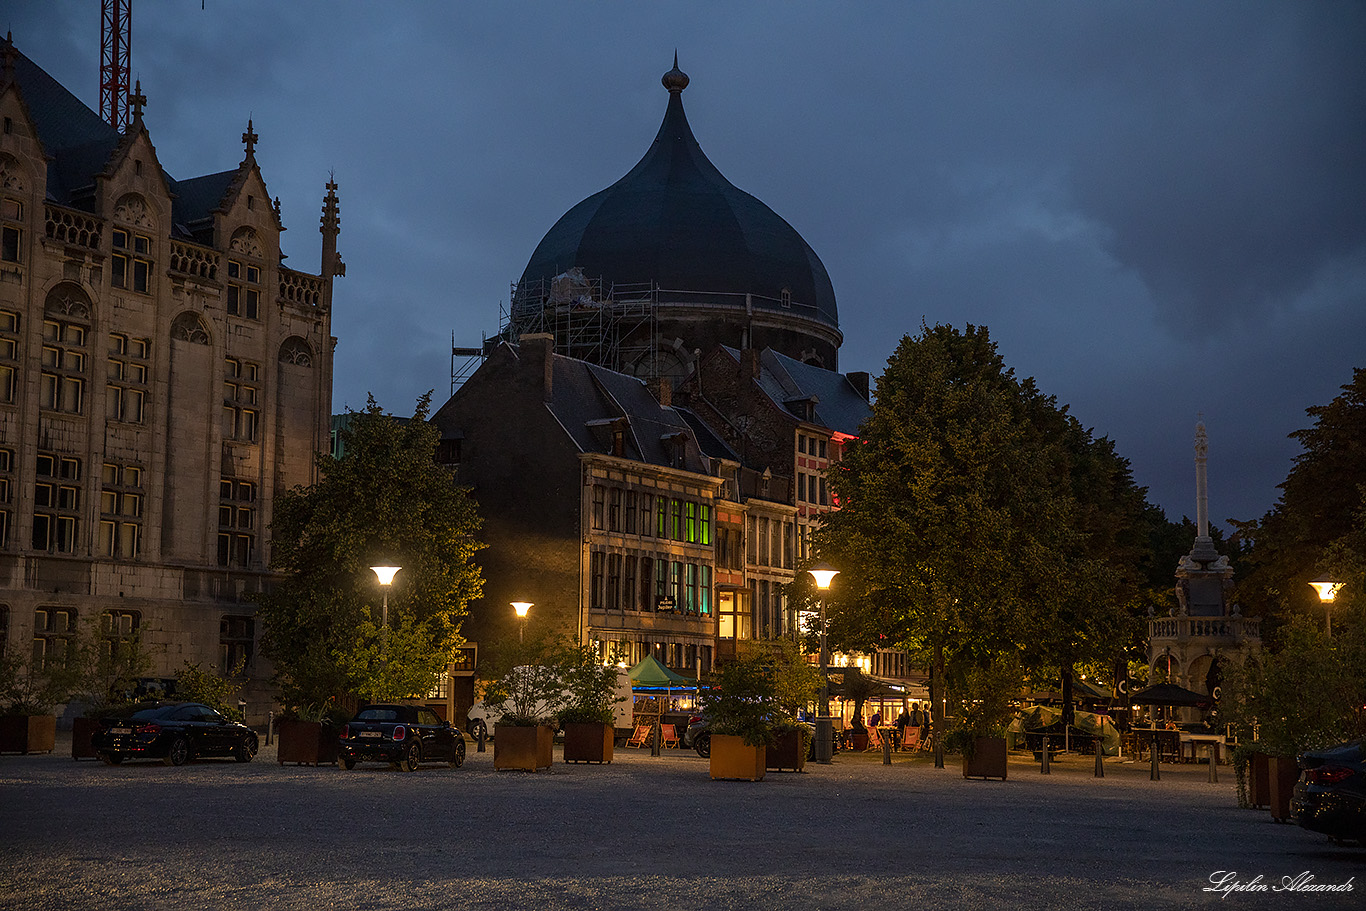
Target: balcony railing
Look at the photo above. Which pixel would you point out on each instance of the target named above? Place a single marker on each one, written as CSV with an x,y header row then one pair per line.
x,y
1236,629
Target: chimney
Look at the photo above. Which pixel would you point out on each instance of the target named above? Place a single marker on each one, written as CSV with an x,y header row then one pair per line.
x,y
749,363
860,382
663,389
538,349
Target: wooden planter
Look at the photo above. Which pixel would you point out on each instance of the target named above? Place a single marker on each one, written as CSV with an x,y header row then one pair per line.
x,y
788,751
731,757
28,733
306,742
1282,773
82,730
588,741
988,759
523,748
858,739
1259,780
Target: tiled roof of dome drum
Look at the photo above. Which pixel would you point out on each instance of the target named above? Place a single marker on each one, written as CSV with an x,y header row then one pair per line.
x,y
676,221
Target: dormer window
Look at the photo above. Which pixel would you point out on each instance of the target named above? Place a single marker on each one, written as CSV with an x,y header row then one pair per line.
x,y
786,298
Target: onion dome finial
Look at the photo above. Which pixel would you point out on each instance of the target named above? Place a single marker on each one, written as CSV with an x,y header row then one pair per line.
x,y
675,80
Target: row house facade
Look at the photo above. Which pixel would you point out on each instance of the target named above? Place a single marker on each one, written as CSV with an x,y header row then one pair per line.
x,y
163,376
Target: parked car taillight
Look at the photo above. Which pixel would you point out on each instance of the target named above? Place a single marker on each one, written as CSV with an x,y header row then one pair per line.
x,y
1330,774
400,732
151,728
346,732
693,719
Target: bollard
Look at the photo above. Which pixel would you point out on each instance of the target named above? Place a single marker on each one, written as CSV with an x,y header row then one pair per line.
x,y
654,742
886,749
1214,763
1043,759
1100,759
479,738
1156,773
270,725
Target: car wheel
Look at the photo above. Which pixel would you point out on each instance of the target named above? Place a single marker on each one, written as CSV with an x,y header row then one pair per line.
x,y
347,763
179,752
702,744
458,753
478,728
246,751
111,758
412,759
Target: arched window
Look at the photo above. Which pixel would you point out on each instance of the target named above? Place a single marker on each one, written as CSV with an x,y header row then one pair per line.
x,y
11,211
244,276
296,351
188,327
131,263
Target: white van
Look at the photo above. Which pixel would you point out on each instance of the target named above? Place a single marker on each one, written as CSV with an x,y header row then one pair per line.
x,y
482,718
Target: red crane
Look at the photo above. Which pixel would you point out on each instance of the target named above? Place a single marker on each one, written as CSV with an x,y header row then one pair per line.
x,y
116,37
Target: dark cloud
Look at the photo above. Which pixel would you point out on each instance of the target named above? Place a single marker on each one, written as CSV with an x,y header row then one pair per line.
x,y
1158,208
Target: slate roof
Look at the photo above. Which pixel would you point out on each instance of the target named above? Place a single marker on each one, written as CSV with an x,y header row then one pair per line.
x,y
80,144
785,380
675,220
586,397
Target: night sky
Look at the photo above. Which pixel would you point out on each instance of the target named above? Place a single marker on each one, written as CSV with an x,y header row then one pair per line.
x,y
1158,208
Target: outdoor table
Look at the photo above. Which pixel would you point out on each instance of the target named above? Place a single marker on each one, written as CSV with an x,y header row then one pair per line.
x,y
1214,743
1168,741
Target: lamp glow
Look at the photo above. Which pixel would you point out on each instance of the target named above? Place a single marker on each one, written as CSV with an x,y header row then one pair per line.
x,y
823,573
521,607
1327,589
385,574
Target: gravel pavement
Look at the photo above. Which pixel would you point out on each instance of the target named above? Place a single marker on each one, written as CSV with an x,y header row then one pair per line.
x,y
643,832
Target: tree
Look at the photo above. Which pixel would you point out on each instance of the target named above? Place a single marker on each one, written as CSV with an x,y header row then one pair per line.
x,y
1319,523
977,519
385,500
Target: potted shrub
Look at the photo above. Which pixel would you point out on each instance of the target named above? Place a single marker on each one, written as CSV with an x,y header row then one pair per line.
x,y
742,705
29,695
591,688
982,713
307,735
527,696
105,675
795,684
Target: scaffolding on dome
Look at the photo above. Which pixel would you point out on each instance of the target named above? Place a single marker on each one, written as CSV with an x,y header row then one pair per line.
x,y
615,328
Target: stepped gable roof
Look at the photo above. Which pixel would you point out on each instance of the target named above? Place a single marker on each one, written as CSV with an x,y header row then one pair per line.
x,y
676,221
839,406
586,398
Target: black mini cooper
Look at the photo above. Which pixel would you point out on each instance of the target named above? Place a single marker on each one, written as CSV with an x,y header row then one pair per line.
x,y
404,736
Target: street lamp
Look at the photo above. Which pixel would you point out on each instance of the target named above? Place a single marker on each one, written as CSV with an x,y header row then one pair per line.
x,y
823,573
521,607
1328,593
385,575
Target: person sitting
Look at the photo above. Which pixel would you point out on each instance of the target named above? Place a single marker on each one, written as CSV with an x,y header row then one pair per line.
x,y
876,720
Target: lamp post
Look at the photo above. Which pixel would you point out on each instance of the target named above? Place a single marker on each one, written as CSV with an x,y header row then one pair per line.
x,y
1328,593
823,573
521,607
385,574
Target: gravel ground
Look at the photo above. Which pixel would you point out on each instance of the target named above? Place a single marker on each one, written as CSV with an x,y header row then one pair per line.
x,y
643,832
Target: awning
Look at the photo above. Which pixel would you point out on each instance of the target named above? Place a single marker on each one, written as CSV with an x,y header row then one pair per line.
x,y
1169,694
649,672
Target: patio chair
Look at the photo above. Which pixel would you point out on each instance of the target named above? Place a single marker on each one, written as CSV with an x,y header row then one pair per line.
x,y
910,739
641,736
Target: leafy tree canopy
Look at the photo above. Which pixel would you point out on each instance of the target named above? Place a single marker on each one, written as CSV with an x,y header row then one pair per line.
x,y
979,518
1319,523
384,501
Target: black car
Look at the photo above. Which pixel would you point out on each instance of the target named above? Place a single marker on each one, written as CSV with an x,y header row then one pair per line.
x,y
175,733
403,735
1330,796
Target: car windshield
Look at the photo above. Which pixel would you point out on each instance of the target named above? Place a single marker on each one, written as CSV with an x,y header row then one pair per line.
x,y
377,715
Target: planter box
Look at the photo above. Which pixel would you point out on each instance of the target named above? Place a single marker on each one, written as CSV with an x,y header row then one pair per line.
x,y
82,730
28,733
788,751
731,757
1259,780
306,742
526,749
858,739
988,759
588,742
1282,773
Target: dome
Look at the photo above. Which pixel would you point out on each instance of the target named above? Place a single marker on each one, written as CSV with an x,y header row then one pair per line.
x,y
676,221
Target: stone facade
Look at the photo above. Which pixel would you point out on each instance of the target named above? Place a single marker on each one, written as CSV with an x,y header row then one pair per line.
x,y
163,376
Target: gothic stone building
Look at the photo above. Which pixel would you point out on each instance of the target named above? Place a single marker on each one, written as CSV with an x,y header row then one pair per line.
x,y
163,376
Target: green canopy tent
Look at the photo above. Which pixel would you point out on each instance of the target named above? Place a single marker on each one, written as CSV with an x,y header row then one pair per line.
x,y
649,672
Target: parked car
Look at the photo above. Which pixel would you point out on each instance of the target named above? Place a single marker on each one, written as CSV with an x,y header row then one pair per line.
x,y
1330,796
698,736
175,733
404,736
483,718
